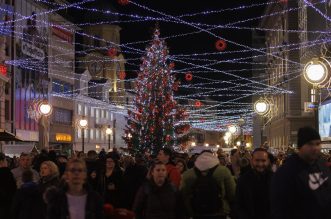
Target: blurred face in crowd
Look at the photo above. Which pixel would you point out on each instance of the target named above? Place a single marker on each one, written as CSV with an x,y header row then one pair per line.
x,y
45,170
76,174
159,174
310,151
260,161
25,162
3,163
180,167
161,156
110,163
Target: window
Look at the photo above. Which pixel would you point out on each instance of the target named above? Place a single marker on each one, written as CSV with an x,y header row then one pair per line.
x,y
85,133
79,133
86,111
79,109
107,115
92,111
91,133
62,116
97,113
97,134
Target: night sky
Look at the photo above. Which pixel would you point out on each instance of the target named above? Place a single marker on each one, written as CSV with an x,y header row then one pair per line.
x,y
197,43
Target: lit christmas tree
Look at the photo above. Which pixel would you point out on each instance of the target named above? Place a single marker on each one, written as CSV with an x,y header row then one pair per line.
x,y
156,119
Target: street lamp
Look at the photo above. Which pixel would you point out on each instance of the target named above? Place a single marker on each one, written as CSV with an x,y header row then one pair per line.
x,y
241,123
262,107
45,110
233,129
316,72
83,125
109,132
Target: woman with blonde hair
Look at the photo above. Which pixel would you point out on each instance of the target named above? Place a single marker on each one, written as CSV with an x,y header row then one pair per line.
x,y
49,175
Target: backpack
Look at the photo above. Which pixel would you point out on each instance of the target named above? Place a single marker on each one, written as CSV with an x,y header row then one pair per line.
x,y
206,194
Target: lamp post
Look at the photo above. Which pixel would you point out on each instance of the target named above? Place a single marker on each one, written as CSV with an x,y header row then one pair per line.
x,y
45,110
316,72
241,123
232,130
262,107
109,132
83,125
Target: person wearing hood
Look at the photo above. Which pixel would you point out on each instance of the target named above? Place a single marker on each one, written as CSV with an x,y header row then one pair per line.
x,y
301,188
208,189
253,188
165,155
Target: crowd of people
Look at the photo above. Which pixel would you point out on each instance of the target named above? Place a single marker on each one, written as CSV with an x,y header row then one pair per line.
x,y
240,185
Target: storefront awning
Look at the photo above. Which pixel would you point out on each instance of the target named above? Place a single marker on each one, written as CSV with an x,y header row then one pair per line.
x,y
7,136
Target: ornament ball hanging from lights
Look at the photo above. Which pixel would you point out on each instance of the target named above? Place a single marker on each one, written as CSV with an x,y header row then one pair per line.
x,y
220,45
123,2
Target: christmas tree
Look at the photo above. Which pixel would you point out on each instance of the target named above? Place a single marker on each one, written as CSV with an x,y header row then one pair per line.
x,y
156,120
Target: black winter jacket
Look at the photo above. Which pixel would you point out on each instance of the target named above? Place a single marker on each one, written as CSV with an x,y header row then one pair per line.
x,y
28,202
7,191
253,195
153,202
301,190
58,205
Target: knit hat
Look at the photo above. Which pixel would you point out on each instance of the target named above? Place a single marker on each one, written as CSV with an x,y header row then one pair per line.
x,y
307,134
206,161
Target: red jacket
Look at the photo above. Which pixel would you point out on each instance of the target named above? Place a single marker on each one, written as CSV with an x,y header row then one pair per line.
x,y
173,174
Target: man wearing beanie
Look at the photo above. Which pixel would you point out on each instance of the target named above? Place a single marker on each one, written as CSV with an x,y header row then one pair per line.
x,y
208,189
301,188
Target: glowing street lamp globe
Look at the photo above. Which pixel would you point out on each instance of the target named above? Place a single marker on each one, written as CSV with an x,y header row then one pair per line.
x,y
228,134
261,107
233,129
109,131
45,109
83,123
315,72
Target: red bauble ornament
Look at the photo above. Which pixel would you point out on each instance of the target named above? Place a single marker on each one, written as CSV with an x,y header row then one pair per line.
x,y
108,209
172,65
123,2
122,75
188,76
168,138
152,129
3,69
198,103
220,45
175,87
112,52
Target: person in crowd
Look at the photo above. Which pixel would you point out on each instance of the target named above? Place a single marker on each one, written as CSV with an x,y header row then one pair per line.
x,y
165,155
208,189
93,169
39,158
253,188
134,176
7,187
111,180
49,176
158,198
301,187
61,163
76,200
234,166
28,200
24,164
181,165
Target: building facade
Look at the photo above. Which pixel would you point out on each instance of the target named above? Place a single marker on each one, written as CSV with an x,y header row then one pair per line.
x,y
284,70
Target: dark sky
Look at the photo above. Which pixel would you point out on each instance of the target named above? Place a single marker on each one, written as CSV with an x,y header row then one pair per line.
x,y
198,43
